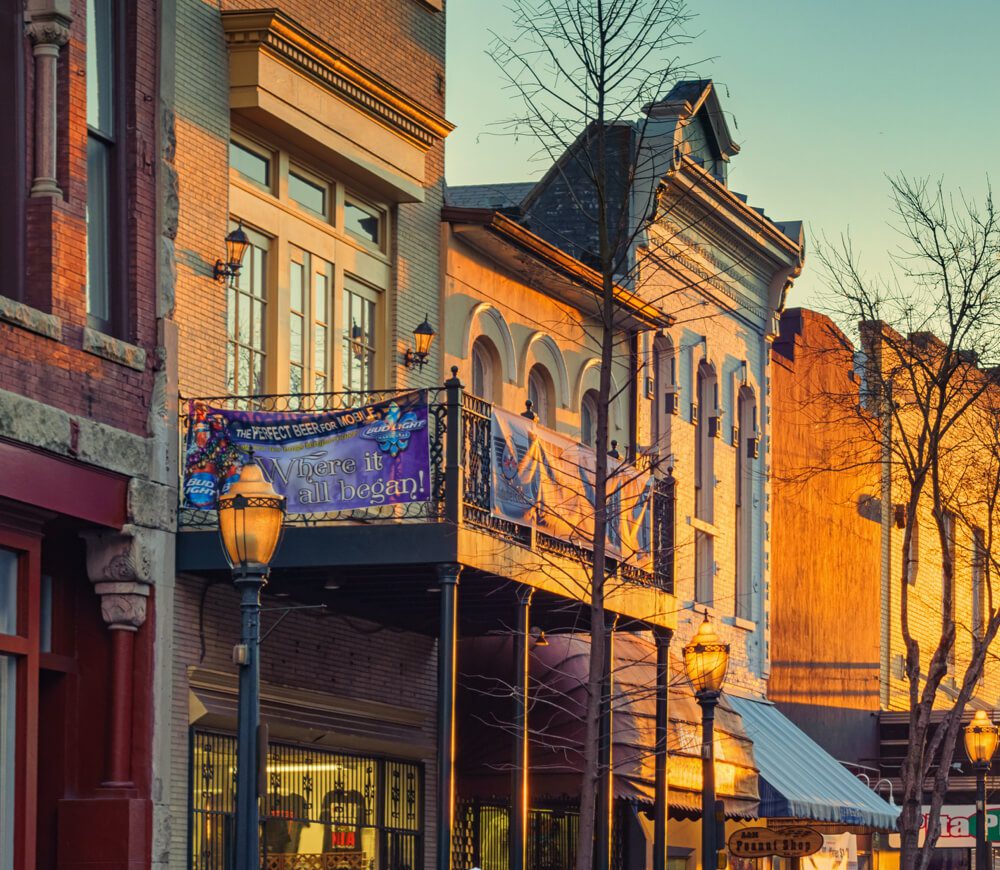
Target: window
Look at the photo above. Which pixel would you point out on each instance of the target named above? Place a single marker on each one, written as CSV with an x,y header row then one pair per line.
x,y
250,163
8,766
322,808
103,232
588,418
664,393
980,573
309,192
246,327
299,323
309,348
948,585
747,422
704,480
541,393
359,337
12,149
485,369
363,222
913,552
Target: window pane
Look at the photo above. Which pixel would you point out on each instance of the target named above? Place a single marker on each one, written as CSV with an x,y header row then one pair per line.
x,y
45,628
295,280
250,164
8,592
98,238
8,747
100,66
362,222
307,193
295,338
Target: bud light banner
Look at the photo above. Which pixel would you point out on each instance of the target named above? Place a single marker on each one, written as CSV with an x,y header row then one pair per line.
x,y
321,462
546,480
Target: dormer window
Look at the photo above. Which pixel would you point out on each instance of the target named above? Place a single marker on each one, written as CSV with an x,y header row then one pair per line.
x,y
701,147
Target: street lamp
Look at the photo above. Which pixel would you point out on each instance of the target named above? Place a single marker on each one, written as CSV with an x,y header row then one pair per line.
x,y
980,744
706,660
251,517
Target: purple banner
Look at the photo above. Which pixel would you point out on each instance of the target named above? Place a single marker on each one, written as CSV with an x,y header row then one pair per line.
x,y
364,457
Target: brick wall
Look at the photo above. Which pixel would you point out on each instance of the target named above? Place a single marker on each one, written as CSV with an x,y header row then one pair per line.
x,y
61,371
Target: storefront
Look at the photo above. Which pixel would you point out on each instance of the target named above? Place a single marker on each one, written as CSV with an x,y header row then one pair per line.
x,y
320,809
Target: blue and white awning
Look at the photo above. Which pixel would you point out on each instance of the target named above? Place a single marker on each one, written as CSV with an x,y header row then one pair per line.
x,y
799,779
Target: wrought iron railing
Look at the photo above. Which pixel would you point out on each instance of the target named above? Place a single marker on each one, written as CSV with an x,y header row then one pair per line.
x,y
461,479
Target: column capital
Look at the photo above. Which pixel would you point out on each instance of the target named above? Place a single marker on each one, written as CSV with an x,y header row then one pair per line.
x,y
120,565
449,572
48,29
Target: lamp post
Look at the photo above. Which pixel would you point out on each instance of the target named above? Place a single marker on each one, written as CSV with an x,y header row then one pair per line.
x,y
251,517
980,744
706,660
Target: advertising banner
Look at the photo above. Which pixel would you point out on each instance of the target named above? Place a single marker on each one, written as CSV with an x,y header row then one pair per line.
x,y
546,480
365,457
958,826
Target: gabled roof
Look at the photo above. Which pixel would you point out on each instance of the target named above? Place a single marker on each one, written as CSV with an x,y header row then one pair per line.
x,y
686,99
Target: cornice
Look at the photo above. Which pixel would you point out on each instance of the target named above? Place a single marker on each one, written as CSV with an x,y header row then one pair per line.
x,y
276,34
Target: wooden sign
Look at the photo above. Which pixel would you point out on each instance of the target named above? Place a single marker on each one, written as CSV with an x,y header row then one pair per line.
x,y
790,842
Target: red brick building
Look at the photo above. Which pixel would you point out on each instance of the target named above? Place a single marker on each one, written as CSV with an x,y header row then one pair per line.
x,y
86,494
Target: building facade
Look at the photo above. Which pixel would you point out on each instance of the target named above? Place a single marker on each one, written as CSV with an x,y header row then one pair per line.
x,y
88,493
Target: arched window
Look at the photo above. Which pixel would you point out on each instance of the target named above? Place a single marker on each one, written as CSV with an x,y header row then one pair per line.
x,y
707,391
485,370
541,394
664,393
746,452
588,418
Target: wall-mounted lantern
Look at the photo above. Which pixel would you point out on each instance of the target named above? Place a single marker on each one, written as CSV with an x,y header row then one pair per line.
x,y
423,338
237,244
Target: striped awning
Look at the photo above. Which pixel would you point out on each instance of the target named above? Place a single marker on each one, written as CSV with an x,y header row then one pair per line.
x,y
799,779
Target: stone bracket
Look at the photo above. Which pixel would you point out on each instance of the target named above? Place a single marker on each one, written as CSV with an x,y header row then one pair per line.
x,y
120,565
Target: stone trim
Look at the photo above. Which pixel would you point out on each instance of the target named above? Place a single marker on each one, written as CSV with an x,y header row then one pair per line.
x,y
114,349
120,566
19,314
278,35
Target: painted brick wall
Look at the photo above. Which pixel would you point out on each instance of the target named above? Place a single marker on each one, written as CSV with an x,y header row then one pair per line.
x,y
61,372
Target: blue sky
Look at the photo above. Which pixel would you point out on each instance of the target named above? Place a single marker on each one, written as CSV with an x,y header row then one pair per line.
x,y
827,99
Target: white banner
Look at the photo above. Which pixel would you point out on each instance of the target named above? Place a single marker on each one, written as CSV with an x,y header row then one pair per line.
x,y
546,480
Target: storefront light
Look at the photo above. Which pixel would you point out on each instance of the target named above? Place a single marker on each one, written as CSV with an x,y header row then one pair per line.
x,y
251,518
706,660
981,739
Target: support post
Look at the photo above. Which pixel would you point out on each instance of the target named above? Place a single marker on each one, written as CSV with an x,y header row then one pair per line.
x,y
519,792
605,737
249,585
454,483
662,637
709,701
448,575
982,862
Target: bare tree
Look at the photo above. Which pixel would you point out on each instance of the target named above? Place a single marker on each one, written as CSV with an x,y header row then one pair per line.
x,y
930,337
584,70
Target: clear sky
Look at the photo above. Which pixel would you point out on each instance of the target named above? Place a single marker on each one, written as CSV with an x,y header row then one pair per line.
x,y
825,97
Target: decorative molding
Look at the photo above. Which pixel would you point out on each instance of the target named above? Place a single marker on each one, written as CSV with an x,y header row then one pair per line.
x,y
120,565
275,33
19,314
114,349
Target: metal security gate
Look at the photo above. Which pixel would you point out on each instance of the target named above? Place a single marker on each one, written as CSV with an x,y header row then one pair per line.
x,y
322,811
482,837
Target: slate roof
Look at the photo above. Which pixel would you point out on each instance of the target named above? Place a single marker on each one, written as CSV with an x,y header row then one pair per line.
x,y
508,195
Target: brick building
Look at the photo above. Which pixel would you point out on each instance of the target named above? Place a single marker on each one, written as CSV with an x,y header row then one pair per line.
x,y
87,493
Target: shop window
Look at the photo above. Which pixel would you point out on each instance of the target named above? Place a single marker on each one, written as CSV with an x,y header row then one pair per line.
x,y
248,298
322,808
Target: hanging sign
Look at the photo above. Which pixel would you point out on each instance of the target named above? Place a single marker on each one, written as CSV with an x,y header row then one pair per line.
x,y
791,842
354,459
